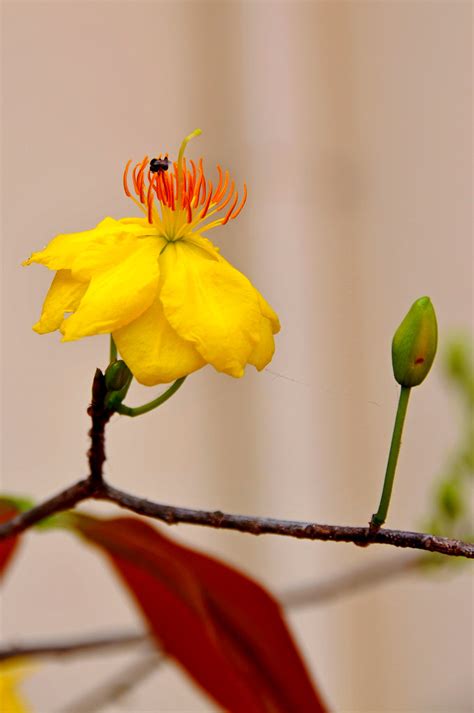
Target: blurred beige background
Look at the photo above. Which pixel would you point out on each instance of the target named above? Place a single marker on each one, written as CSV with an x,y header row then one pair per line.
x,y
351,123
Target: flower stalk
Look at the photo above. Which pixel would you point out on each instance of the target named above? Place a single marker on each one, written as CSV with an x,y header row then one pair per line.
x,y
413,351
380,516
151,405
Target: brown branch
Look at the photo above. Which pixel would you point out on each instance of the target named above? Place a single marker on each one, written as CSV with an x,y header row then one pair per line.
x,y
72,647
172,515
303,595
117,686
100,416
82,490
317,592
96,487
314,593
358,578
65,500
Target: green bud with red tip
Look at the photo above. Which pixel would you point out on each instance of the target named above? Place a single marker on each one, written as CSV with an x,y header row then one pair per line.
x,y
414,344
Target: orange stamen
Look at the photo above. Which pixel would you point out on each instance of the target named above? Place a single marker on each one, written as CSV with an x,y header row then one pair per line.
x,y
203,199
170,184
206,207
231,193
199,183
236,213
158,188
149,201
125,179
164,188
141,186
190,189
219,185
141,180
220,194
194,170
188,208
231,209
134,176
183,189
172,193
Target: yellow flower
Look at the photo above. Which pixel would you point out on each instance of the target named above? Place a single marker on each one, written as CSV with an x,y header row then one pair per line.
x,y
172,303
10,676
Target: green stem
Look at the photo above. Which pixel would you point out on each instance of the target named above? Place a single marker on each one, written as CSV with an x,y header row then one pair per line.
x,y
380,516
113,350
139,410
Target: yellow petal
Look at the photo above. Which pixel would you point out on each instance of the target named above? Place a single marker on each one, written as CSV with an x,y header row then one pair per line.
x,y
153,351
141,225
266,310
64,251
205,244
269,313
263,352
10,700
210,304
102,254
64,295
117,296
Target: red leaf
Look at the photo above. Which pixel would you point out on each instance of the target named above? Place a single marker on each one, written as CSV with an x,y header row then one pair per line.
x,y
221,626
7,547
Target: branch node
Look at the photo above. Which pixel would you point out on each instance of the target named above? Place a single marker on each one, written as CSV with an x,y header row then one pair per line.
x,y
170,517
217,518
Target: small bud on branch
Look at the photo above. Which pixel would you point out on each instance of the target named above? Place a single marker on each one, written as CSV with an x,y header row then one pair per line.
x,y
414,344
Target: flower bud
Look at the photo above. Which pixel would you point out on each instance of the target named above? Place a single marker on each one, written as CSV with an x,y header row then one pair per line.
x,y
414,344
117,375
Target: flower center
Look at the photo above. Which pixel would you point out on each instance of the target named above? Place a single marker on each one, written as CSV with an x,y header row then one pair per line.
x,y
176,197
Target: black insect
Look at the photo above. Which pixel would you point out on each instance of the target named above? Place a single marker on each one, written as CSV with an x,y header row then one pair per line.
x,y
159,164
